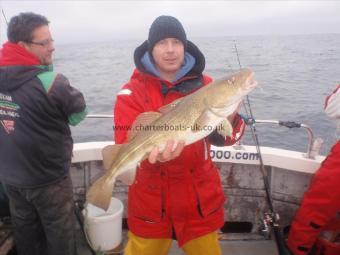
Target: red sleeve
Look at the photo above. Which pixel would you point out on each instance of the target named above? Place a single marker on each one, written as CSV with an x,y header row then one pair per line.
x,y
126,110
319,205
238,131
128,106
207,79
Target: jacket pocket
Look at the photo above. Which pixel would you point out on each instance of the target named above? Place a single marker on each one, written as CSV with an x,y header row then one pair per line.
x,y
145,198
209,192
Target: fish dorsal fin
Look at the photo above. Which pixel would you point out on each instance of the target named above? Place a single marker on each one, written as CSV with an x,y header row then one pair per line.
x,y
168,107
144,119
109,154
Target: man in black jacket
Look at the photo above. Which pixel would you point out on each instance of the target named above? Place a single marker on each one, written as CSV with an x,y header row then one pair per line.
x,y
36,108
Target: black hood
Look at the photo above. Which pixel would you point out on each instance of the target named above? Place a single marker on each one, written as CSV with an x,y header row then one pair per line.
x,y
191,48
13,77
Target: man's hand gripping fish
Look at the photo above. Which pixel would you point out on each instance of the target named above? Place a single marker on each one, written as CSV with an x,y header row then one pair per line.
x,y
192,117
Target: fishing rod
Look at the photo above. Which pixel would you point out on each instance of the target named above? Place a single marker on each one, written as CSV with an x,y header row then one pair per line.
x,y
271,219
3,14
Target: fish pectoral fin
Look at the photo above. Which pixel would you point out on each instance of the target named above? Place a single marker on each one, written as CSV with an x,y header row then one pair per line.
x,y
144,119
109,154
128,177
100,192
225,128
169,107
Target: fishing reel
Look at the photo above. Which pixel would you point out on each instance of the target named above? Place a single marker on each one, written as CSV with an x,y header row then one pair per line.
x,y
269,221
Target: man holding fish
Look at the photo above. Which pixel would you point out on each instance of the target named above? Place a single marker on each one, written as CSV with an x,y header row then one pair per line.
x,y
174,191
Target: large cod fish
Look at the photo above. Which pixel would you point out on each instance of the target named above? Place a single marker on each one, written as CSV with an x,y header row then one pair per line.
x,y
187,119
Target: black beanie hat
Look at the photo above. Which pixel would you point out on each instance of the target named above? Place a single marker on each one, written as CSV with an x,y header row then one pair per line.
x,y
166,27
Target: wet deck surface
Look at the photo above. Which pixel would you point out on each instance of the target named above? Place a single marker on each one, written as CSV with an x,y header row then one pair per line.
x,y
256,247
230,247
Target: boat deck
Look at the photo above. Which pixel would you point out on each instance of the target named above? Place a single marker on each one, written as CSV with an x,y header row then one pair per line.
x,y
234,247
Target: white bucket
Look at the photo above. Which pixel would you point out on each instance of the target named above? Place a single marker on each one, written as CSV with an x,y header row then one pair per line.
x,y
104,228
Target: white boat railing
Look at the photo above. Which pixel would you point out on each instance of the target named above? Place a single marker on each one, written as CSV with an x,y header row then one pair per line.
x,y
290,124
100,116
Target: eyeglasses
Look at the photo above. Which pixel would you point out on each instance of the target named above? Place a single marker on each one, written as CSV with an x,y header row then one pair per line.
x,y
44,43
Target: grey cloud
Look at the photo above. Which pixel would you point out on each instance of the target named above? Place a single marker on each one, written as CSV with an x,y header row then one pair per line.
x,y
74,21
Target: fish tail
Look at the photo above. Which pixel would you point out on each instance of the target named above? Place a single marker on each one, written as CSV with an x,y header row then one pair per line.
x,y
100,192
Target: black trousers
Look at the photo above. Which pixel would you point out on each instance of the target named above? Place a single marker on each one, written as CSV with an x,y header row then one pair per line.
x,y
43,218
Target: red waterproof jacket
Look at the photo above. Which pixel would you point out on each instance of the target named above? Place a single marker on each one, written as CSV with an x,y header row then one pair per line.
x,y
183,196
317,221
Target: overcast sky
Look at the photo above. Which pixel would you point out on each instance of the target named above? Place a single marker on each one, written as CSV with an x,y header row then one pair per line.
x,y
88,21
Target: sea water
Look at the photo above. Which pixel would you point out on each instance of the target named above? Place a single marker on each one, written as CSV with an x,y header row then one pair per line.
x,y
295,74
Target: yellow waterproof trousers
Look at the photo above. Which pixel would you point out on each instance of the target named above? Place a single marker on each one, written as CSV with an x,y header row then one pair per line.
x,y
203,245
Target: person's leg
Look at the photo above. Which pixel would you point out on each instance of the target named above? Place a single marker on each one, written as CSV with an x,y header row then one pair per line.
x,y
203,245
55,207
144,246
29,236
